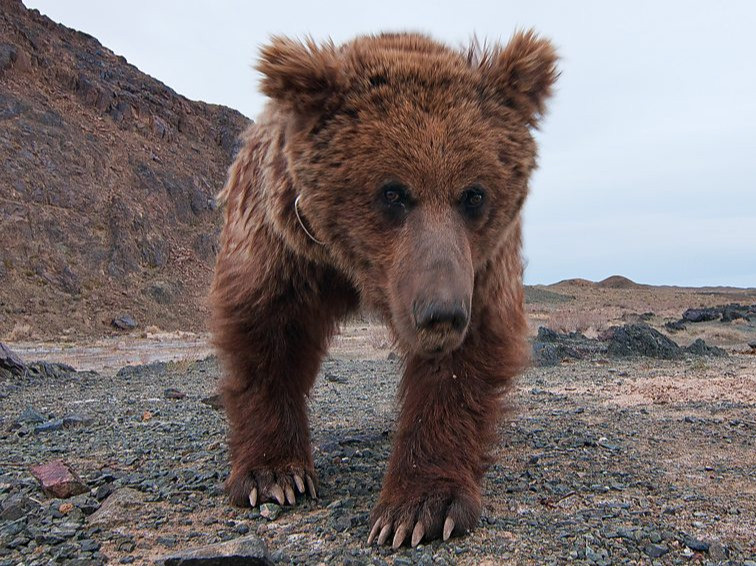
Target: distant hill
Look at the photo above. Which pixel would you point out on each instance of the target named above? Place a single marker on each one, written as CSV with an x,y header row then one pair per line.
x,y
106,187
577,282
618,282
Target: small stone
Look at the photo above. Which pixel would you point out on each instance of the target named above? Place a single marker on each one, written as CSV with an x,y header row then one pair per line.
x,y
342,523
76,420
718,552
214,401
104,491
146,416
49,426
124,322
167,541
331,377
58,479
247,550
174,394
656,550
270,511
393,356
65,507
695,544
30,415
88,545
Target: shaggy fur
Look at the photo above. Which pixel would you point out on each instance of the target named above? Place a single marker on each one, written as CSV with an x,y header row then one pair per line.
x,y
411,163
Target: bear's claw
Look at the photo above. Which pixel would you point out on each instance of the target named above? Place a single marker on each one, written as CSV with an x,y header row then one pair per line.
x,y
266,485
410,523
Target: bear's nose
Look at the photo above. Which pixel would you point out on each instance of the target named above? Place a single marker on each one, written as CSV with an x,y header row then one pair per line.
x,y
434,314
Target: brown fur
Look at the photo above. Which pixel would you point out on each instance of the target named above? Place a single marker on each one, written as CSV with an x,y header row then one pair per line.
x,y
344,126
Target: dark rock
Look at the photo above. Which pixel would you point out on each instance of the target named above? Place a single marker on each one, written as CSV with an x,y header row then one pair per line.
x,y
656,550
642,340
215,401
675,325
161,292
550,347
58,479
8,57
104,491
174,394
700,348
392,356
545,354
270,511
137,370
752,344
331,377
52,425
76,420
30,415
69,281
88,545
704,314
206,247
732,312
247,550
10,361
124,322
718,553
16,507
49,370
695,544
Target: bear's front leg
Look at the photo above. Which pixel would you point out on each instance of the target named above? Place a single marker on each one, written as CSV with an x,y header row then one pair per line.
x,y
272,319
447,424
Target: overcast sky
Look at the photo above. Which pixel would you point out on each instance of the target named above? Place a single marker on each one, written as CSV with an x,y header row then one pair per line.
x,y
648,154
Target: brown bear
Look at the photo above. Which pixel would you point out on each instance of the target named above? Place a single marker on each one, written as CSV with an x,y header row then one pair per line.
x,y
389,174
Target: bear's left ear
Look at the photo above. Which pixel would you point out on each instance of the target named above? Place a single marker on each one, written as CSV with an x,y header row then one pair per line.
x,y
520,75
305,76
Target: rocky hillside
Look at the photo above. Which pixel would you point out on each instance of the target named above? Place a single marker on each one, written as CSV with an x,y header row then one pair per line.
x,y
106,188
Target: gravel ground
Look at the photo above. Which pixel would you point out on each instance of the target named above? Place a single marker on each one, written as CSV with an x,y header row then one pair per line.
x,y
601,461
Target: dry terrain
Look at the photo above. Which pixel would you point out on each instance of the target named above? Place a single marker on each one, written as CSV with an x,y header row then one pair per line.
x,y
601,460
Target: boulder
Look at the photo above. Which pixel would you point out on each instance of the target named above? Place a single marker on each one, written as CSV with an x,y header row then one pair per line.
x,y
703,314
642,340
700,348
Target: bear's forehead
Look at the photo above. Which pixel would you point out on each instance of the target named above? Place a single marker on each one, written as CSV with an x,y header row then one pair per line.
x,y
396,60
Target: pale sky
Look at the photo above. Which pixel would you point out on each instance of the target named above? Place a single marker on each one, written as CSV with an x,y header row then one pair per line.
x,y
648,154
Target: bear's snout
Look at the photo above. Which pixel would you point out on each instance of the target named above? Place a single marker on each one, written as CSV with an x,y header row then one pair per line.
x,y
432,315
440,324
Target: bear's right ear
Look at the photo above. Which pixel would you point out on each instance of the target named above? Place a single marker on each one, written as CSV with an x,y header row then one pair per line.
x,y
520,74
305,76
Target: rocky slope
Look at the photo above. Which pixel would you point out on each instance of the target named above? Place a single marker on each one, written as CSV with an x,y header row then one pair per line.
x,y
106,189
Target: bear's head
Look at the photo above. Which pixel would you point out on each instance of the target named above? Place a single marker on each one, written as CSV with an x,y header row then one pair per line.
x,y
411,163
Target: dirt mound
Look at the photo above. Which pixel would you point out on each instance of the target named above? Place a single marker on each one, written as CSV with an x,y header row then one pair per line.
x,y
106,189
618,282
576,282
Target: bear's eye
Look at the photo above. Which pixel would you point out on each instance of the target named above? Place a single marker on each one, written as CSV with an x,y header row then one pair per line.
x,y
394,194
473,198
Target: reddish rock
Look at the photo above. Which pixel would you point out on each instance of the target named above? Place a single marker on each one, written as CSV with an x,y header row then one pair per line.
x,y
58,479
